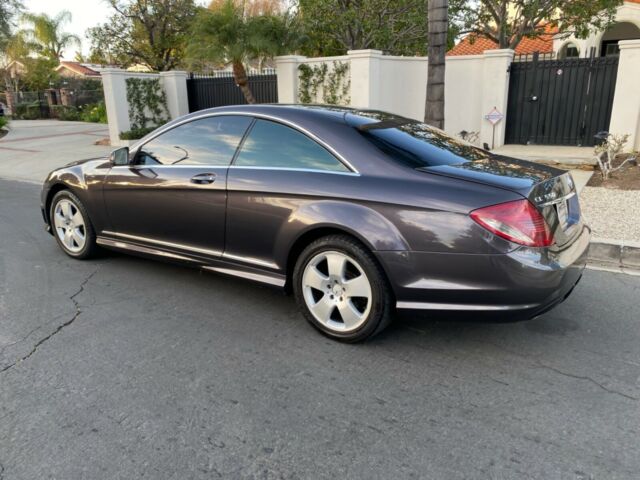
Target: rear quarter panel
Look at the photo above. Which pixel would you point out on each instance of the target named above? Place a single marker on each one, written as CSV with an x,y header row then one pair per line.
x,y
268,210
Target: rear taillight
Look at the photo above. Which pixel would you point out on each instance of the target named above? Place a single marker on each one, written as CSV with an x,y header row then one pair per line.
x,y
518,221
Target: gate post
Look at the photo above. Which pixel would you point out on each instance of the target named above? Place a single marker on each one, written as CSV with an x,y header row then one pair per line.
x,y
495,93
625,115
287,73
174,83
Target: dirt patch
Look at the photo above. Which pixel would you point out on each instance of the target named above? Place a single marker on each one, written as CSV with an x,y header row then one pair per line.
x,y
627,178
3,132
103,141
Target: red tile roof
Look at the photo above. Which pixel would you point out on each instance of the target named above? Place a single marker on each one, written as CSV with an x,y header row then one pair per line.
x,y
79,69
475,45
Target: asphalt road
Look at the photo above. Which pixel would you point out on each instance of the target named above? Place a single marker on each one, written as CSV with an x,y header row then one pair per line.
x,y
128,368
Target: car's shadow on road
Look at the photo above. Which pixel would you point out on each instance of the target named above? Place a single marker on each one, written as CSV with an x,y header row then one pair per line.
x,y
258,305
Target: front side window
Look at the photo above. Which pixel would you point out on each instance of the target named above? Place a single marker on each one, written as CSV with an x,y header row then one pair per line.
x,y
207,141
271,144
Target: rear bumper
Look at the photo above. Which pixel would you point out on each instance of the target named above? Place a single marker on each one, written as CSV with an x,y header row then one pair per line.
x,y
518,285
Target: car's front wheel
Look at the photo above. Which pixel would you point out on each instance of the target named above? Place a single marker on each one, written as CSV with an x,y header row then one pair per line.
x,y
341,289
71,226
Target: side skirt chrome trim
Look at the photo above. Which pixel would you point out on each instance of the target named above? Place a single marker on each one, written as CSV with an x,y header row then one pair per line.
x,y
137,248
189,248
215,253
460,306
256,277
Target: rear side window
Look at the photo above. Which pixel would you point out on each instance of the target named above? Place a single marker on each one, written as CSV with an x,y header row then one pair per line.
x,y
271,144
418,145
207,141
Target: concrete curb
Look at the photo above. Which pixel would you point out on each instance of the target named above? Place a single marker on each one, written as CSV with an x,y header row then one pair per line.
x,y
615,253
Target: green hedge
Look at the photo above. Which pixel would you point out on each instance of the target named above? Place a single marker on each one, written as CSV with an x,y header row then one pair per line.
x,y
4,121
136,133
27,111
65,112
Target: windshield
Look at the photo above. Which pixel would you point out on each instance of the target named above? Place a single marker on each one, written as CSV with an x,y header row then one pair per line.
x,y
415,144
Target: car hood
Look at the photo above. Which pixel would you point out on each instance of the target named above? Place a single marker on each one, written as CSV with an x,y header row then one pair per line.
x,y
85,160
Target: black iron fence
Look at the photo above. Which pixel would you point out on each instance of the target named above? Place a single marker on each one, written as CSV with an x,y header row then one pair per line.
x,y
218,89
49,103
562,101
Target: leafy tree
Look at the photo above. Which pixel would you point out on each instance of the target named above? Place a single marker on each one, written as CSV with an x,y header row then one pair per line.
x,y
254,8
39,74
398,27
506,22
438,29
47,33
225,35
9,10
151,32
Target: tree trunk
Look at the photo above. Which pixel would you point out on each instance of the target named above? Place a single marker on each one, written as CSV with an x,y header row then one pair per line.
x,y
437,49
240,76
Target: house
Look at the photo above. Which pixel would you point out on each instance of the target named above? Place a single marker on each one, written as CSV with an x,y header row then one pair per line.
x,y
77,70
626,27
15,69
605,43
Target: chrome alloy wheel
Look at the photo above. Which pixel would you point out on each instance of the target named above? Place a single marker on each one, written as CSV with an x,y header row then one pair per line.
x,y
337,291
69,225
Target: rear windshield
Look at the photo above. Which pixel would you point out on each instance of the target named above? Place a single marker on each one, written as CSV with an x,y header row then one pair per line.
x,y
418,145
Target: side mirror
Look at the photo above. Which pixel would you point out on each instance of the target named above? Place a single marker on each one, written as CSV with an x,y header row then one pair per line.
x,y
120,156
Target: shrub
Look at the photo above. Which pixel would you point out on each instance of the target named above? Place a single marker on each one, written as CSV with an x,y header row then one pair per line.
x,y
65,112
608,150
96,113
4,121
136,133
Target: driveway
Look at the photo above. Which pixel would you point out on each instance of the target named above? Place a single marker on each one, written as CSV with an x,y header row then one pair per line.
x,y
127,368
33,148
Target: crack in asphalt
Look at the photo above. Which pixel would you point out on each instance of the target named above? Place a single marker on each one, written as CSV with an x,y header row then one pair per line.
x,y
56,331
589,379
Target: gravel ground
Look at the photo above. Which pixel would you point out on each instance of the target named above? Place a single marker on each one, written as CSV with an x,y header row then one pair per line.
x,y
612,214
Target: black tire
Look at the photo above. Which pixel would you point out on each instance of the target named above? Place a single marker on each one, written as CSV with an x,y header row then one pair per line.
x,y
382,299
90,248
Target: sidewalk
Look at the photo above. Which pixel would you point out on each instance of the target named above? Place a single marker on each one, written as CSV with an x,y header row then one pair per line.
x,y
549,154
33,148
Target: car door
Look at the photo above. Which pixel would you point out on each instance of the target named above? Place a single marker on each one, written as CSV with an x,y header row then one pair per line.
x,y
277,171
174,192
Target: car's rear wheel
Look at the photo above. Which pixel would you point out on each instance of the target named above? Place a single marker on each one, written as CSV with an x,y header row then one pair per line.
x,y
341,289
71,226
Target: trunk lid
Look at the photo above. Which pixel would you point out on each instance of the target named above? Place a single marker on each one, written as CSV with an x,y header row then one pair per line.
x,y
551,190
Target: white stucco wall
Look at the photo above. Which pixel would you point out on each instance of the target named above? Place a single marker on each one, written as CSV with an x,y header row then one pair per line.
x,y
474,86
114,84
625,115
463,93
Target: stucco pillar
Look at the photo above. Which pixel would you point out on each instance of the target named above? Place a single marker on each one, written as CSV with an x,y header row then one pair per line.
x,y
115,99
364,68
495,93
625,116
287,73
175,87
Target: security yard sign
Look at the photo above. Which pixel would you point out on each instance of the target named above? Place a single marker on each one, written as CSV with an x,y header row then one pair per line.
x,y
494,116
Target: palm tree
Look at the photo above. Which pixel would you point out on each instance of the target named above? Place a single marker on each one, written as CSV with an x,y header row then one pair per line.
x,y
437,49
225,35
46,32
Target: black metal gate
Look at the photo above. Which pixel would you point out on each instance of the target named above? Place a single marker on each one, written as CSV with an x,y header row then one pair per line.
x,y
206,91
560,102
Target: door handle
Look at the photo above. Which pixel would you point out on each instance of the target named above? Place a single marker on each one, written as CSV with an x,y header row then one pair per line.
x,y
203,178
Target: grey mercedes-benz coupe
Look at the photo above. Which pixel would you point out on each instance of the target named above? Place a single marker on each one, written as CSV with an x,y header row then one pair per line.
x,y
358,213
